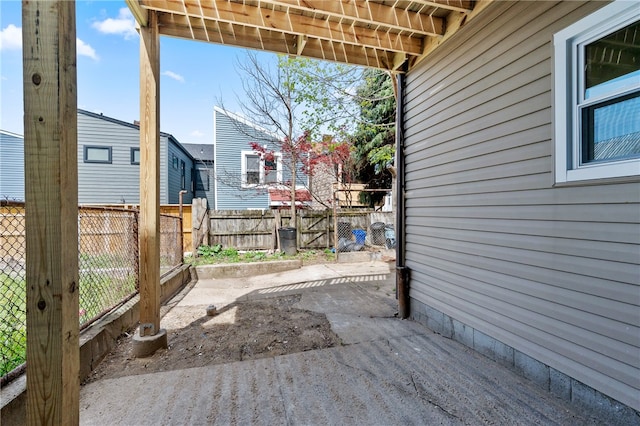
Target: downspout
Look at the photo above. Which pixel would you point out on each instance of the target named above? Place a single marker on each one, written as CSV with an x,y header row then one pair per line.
x,y
402,272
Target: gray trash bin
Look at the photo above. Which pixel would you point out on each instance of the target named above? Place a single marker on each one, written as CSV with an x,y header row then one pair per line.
x,y
377,233
288,241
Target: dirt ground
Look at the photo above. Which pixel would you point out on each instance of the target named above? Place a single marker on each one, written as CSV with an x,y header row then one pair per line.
x,y
241,331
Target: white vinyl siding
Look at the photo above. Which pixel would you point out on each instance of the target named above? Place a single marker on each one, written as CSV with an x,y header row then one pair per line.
x,y
551,272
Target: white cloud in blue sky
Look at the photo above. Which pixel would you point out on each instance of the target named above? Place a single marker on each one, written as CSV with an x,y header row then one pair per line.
x,y
83,49
108,77
174,76
123,25
11,38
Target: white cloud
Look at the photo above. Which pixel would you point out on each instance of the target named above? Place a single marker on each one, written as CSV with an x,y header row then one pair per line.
x,y
11,38
174,76
196,134
83,49
124,24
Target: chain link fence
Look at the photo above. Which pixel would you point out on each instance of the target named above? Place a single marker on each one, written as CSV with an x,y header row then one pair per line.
x,y
171,253
358,232
13,312
108,259
108,263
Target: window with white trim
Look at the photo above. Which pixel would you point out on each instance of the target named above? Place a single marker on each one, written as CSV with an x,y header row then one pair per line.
x,y
597,95
257,170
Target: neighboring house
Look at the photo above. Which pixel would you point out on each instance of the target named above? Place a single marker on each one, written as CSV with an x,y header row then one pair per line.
x,y
203,155
108,163
11,166
241,177
522,222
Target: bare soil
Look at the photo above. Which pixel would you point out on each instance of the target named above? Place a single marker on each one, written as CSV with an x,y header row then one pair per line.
x,y
240,331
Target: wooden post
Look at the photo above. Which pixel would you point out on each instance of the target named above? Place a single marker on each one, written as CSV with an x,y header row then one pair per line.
x,y
336,237
51,192
149,230
199,223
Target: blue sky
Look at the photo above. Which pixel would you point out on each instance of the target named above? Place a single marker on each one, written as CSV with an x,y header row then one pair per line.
x,y
194,75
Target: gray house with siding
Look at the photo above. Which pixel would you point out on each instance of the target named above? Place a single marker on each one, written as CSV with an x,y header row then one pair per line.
x,y
11,166
522,233
108,163
241,177
203,178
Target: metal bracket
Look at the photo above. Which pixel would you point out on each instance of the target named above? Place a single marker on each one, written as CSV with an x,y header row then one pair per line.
x,y
147,329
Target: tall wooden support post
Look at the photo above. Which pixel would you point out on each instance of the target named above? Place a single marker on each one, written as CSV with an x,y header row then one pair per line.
x,y
149,336
51,191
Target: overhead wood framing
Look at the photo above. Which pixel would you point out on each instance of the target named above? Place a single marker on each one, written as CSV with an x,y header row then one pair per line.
x,y
377,33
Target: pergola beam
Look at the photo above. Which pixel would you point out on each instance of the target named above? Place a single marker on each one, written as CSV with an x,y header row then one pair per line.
x,y
464,6
273,41
51,194
365,12
140,14
267,19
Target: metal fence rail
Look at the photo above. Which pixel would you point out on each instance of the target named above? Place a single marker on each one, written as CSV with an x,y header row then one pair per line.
x,y
108,268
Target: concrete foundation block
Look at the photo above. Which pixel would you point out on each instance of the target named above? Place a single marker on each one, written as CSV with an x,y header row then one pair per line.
x,y
559,384
492,348
462,333
144,346
532,369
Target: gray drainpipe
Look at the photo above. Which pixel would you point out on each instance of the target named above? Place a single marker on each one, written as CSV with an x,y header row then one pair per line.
x,y
402,272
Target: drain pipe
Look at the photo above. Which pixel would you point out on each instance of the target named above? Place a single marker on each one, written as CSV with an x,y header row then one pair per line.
x,y
402,272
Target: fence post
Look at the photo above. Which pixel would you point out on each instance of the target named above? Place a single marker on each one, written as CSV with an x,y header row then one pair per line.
x,y
200,223
335,223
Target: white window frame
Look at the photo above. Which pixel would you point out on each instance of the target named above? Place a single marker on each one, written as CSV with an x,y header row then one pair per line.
x,y
567,60
243,161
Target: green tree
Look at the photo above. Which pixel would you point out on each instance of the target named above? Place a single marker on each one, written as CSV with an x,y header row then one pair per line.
x,y
293,98
374,137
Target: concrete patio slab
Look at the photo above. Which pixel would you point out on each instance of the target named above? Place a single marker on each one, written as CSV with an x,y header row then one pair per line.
x,y
386,372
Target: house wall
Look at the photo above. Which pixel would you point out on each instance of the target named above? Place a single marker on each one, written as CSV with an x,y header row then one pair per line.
x,y
206,193
120,180
540,277
174,175
231,137
11,166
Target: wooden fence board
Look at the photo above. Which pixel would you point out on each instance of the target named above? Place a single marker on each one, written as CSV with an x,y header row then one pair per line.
x,y
256,229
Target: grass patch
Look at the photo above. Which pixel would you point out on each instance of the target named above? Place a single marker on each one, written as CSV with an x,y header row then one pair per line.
x,y
211,255
98,291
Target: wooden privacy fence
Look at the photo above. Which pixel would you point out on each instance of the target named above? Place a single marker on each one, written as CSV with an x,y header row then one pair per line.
x,y
257,229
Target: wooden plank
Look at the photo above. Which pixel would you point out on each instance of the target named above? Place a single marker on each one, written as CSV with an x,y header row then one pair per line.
x,y
50,137
149,230
309,26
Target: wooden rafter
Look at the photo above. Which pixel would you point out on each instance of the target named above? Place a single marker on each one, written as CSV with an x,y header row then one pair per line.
x,y
379,33
259,17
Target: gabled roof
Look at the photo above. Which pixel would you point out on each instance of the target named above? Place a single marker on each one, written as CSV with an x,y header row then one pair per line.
x,y
133,126
384,34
